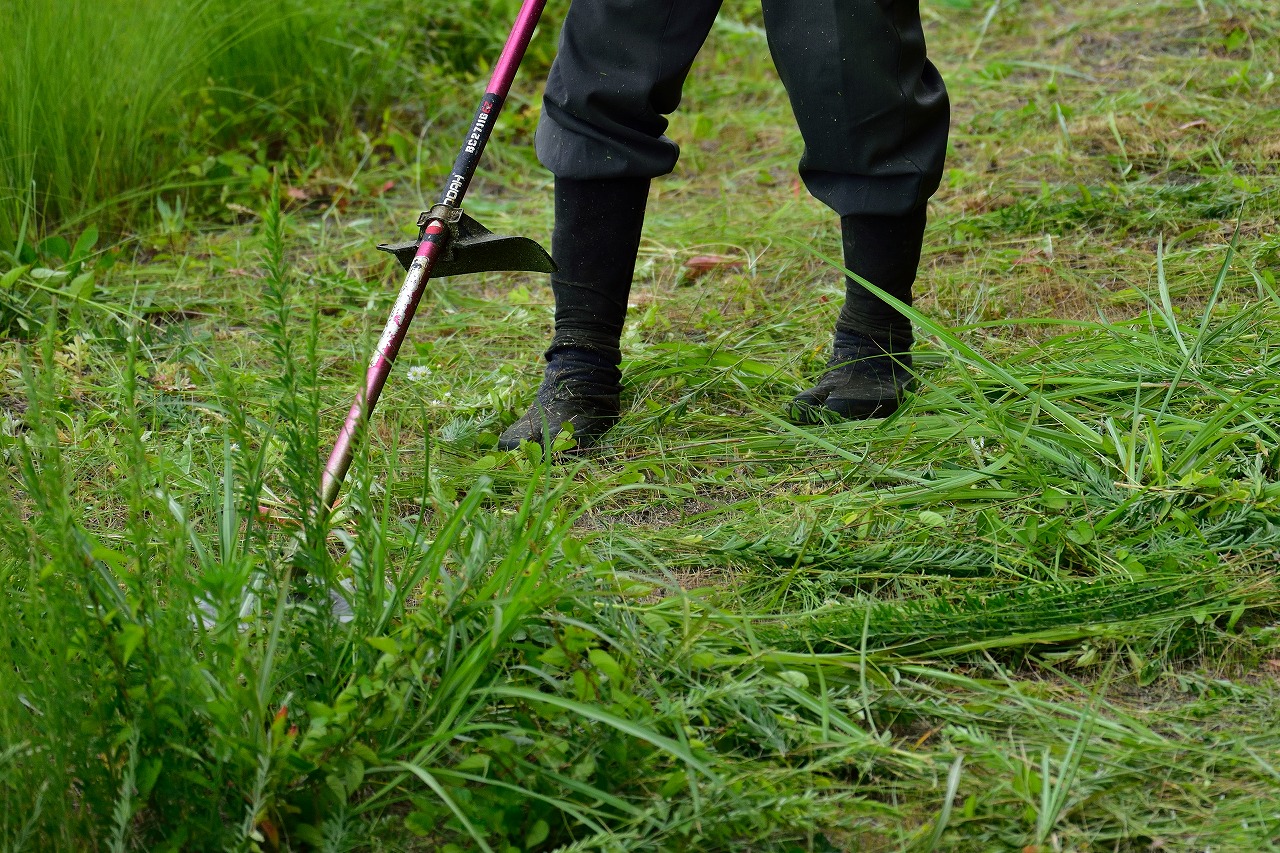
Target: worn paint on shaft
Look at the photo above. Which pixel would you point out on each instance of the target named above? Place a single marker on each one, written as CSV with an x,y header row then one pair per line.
x,y
380,364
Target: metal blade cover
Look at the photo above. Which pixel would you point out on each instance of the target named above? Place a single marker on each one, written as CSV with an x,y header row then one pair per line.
x,y
475,248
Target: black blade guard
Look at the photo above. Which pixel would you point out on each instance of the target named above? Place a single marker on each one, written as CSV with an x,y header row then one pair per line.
x,y
477,249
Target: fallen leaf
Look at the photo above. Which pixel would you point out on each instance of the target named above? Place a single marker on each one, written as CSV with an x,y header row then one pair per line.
x,y
699,265
1035,256
273,516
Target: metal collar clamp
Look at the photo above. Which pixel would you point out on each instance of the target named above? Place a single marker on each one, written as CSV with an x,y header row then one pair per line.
x,y
448,216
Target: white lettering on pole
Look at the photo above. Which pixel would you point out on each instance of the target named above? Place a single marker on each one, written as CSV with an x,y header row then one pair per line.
x,y
477,130
455,189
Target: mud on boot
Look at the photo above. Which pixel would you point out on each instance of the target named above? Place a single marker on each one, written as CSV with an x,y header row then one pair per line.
x,y
862,381
579,388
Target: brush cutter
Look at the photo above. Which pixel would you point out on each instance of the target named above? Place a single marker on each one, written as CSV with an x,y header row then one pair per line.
x,y
449,243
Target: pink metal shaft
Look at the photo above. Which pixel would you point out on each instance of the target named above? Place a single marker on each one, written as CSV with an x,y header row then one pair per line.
x,y
384,356
435,241
513,52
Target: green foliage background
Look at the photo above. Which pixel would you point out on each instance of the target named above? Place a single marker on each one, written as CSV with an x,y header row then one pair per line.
x,y
109,105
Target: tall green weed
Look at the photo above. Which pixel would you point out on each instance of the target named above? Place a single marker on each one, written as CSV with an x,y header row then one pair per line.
x,y
111,108
499,685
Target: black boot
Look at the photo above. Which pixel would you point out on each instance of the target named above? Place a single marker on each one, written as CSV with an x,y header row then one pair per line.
x,y
864,379
579,388
594,244
869,373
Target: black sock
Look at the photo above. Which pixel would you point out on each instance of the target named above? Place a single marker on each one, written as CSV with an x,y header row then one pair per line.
x,y
885,250
594,244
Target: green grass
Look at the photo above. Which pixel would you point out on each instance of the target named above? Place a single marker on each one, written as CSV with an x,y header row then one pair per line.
x,y
1036,610
124,114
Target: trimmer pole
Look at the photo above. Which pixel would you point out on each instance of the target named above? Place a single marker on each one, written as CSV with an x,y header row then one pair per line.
x,y
438,231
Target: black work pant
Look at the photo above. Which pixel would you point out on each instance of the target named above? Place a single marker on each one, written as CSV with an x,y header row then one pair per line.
x,y
872,109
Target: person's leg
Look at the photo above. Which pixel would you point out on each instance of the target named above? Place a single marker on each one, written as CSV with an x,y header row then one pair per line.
x,y
594,243
618,73
870,366
874,114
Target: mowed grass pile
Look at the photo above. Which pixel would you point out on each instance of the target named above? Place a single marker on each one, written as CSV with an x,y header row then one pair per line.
x,y
1036,610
